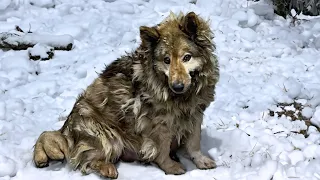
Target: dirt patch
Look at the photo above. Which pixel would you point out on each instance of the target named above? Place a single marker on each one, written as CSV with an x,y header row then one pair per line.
x,y
294,112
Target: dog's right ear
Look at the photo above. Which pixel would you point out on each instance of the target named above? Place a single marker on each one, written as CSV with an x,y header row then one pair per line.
x,y
149,34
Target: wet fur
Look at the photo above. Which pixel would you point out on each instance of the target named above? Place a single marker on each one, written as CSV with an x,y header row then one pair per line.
x,y
129,112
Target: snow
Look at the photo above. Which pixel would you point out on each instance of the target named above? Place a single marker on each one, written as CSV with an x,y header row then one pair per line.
x,y
249,18
266,171
264,60
293,12
307,112
21,64
310,151
253,18
296,156
2,110
240,16
7,166
292,87
4,4
316,117
248,34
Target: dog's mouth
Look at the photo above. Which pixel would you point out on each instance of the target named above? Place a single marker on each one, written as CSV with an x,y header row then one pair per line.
x,y
176,92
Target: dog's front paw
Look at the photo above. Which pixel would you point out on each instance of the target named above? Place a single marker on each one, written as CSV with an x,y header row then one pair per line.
x,y
104,169
175,168
203,162
109,171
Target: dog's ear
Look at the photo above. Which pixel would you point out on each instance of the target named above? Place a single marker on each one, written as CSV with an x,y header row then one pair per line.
x,y
149,34
190,24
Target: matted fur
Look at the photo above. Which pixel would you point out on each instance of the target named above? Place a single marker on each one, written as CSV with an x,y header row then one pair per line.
x,y
131,109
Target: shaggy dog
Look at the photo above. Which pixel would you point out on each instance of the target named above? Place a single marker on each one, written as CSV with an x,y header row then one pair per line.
x,y
142,106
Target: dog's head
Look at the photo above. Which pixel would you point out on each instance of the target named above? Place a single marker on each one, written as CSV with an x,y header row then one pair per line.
x,y
178,45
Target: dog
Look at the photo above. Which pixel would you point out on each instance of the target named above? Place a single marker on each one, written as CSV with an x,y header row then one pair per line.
x,y
144,105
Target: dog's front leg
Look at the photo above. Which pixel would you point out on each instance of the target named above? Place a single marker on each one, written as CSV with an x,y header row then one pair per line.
x,y
192,146
163,138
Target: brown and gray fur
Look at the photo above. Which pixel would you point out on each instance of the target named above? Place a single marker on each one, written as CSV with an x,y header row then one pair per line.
x,y
134,110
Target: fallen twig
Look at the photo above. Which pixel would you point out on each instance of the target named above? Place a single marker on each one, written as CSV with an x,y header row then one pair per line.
x,y
19,29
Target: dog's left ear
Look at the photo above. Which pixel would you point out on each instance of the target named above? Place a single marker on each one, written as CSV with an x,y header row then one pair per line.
x,y
190,24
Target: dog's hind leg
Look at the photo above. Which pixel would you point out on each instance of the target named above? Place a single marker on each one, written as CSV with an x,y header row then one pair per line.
x,y
51,145
97,144
90,160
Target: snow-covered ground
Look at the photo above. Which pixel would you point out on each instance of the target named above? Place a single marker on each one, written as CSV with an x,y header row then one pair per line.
x,y
264,59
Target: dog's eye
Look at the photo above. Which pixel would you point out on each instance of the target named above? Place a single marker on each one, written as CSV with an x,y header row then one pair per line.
x,y
194,73
166,60
187,58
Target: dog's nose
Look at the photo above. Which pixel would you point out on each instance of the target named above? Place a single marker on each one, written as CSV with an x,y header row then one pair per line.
x,y
177,86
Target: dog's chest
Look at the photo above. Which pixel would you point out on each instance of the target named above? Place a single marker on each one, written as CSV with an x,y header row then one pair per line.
x,y
148,113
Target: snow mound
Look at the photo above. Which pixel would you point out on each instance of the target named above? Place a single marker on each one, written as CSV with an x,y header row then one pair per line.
x,y
7,166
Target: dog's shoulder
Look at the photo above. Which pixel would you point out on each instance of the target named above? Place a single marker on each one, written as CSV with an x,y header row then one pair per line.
x,y
120,67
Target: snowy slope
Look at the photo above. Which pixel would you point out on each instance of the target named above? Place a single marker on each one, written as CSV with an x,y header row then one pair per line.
x,y
265,61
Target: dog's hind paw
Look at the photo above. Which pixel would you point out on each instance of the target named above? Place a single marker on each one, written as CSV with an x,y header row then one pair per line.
x,y
51,145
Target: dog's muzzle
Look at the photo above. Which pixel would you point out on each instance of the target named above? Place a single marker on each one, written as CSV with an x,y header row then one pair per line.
x,y
178,87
